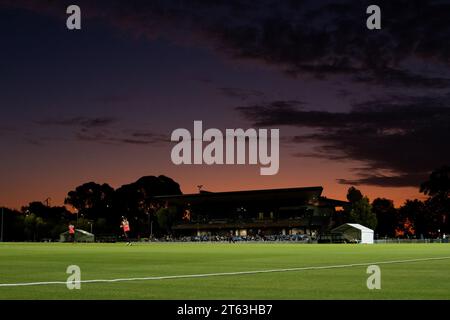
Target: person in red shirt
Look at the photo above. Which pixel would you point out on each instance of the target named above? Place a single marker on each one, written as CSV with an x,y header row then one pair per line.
x,y
125,225
71,233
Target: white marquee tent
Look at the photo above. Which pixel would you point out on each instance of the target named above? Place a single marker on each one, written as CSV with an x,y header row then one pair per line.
x,y
354,232
80,236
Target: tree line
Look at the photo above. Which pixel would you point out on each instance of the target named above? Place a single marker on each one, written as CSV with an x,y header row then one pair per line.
x,y
99,208
414,219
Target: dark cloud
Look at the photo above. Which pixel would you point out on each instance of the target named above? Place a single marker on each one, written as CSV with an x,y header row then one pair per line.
x,y
101,130
206,80
343,93
83,122
133,138
405,180
113,98
6,130
238,93
41,140
332,39
396,77
407,136
320,38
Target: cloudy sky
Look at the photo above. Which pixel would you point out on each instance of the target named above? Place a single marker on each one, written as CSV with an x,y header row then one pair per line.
x,y
354,106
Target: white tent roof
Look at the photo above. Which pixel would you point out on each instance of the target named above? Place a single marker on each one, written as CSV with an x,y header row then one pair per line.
x,y
347,226
80,231
84,232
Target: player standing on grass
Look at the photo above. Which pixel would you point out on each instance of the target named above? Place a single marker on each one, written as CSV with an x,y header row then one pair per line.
x,y
125,225
71,233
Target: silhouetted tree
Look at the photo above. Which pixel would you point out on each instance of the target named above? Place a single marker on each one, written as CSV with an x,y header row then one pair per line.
x,y
92,200
437,187
97,205
414,220
361,213
13,229
33,224
166,217
354,195
386,215
49,222
438,211
438,184
136,200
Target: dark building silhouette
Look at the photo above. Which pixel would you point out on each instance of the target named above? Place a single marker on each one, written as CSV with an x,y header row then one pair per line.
x,y
256,212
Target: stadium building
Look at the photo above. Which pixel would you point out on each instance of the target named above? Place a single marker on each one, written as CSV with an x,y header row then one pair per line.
x,y
257,212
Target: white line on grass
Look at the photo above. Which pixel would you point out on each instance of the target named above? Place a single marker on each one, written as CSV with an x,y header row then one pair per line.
x,y
220,273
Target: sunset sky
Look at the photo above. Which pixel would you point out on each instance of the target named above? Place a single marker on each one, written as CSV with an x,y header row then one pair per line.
x,y
354,106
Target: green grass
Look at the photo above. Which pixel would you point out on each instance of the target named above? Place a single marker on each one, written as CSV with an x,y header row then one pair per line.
x,y
21,262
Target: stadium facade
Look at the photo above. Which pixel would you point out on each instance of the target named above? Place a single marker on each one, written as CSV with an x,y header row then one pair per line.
x,y
256,212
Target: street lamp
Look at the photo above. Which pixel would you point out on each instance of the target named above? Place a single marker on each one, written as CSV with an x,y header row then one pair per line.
x,y
150,222
1,236
151,229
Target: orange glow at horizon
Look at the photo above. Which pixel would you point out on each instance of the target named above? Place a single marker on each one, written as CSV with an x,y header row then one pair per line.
x,y
51,176
217,181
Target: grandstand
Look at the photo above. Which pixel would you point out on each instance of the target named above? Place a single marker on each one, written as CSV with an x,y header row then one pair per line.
x,y
252,213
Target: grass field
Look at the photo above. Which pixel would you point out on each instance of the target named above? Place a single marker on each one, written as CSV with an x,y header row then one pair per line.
x,y
23,263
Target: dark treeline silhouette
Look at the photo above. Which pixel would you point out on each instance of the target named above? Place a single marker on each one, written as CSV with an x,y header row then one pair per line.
x,y
98,207
414,219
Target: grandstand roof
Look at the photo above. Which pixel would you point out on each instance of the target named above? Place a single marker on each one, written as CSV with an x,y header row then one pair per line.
x,y
307,194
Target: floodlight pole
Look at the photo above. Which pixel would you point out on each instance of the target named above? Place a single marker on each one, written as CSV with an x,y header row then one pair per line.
x,y
151,229
1,236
